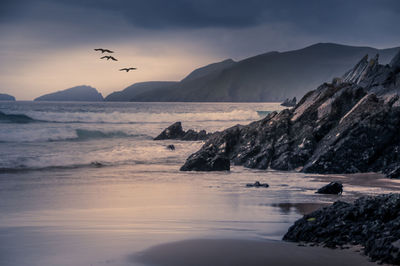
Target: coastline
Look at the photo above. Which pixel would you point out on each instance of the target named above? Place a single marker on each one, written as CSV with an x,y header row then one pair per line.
x,y
202,252
251,252
371,180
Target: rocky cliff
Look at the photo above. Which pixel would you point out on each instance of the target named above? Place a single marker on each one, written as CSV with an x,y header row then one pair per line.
x,y
349,125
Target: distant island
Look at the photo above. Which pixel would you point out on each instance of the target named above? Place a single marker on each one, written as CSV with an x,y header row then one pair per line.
x,y
6,97
79,93
269,77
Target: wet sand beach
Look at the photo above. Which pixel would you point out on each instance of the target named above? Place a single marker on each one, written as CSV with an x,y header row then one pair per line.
x,y
232,252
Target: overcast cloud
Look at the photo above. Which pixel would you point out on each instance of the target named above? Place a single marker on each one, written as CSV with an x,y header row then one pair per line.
x,y
37,33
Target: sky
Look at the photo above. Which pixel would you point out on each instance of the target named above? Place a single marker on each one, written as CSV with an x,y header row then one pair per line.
x,y
47,45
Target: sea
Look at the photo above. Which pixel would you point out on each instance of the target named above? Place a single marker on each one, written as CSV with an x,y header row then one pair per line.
x,y
86,184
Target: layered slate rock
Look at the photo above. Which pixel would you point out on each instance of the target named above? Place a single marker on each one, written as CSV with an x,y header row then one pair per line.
x,y
373,222
334,188
350,125
175,131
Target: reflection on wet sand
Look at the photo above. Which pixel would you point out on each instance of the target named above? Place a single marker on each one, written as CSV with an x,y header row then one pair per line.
x,y
300,208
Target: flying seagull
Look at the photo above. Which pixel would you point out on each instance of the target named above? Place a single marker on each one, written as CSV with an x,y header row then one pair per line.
x,y
128,69
104,50
108,57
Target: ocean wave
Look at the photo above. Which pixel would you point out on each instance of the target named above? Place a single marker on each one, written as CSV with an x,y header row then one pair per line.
x,y
83,134
53,134
93,164
15,118
139,117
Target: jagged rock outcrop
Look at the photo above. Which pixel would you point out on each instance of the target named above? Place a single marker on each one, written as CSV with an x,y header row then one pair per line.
x,y
334,188
347,126
289,103
373,222
175,131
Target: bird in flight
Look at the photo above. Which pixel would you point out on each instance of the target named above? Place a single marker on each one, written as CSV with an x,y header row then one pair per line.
x,y
104,50
127,69
108,57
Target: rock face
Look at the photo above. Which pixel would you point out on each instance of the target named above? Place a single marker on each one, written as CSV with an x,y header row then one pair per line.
x,y
373,222
350,125
289,103
175,131
206,162
75,94
6,97
334,188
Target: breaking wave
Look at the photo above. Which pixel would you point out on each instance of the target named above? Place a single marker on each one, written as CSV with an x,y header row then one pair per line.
x,y
128,118
15,118
64,134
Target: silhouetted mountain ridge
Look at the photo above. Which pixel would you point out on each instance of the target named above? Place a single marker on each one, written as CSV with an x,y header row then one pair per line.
x,y
128,93
272,76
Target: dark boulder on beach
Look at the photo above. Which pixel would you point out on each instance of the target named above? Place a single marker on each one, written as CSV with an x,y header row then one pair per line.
x,y
334,188
351,125
171,147
373,222
257,184
175,131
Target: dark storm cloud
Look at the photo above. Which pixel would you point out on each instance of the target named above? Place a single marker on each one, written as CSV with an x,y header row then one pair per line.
x,y
313,15
235,25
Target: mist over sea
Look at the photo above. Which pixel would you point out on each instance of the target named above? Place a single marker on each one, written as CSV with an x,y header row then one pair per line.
x,y
85,184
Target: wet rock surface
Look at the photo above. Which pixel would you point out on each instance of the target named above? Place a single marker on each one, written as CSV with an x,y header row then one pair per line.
x,y
334,188
175,131
171,147
257,184
373,222
351,125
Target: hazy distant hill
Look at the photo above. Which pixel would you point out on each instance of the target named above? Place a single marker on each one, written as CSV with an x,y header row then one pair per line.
x,y
6,97
204,73
211,69
79,93
271,76
127,94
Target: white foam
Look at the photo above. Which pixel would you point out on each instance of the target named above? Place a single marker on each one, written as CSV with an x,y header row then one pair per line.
x,y
141,117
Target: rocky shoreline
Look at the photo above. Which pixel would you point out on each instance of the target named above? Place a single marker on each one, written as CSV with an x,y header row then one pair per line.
x,y
175,131
351,125
373,222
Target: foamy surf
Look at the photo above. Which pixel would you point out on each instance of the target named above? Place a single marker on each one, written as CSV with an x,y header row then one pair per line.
x,y
137,117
